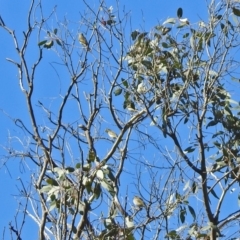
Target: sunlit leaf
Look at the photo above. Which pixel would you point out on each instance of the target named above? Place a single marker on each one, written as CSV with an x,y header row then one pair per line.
x,y
192,42
100,174
165,30
86,167
108,223
118,91
42,42
48,44
187,185
108,186
53,205
46,188
129,222
170,20
184,21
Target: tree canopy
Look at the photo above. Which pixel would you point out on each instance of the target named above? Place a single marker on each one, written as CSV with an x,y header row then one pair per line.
x,y
135,135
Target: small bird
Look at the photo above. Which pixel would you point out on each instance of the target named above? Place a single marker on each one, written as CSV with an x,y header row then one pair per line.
x,y
138,202
110,133
83,41
184,21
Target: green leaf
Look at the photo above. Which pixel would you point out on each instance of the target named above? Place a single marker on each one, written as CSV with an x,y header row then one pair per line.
x,y
42,42
185,120
179,12
194,187
74,229
213,192
53,197
97,190
236,11
118,91
88,184
91,156
189,149
110,174
125,83
147,64
48,44
191,210
142,35
111,22
70,169
218,133
212,123
130,237
165,45
182,214
58,42
173,235
52,182
78,165
86,167
134,35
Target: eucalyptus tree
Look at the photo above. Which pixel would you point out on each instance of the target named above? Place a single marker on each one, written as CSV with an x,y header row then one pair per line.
x,y
140,139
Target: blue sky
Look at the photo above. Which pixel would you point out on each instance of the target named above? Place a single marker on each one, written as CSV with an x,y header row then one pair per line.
x,y
144,15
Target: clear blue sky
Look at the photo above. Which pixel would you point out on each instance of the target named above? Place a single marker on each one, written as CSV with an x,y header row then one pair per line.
x,y
144,15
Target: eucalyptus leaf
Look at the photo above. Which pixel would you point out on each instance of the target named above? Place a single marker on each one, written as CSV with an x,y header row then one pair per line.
x,y
236,11
179,12
191,210
118,91
170,20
